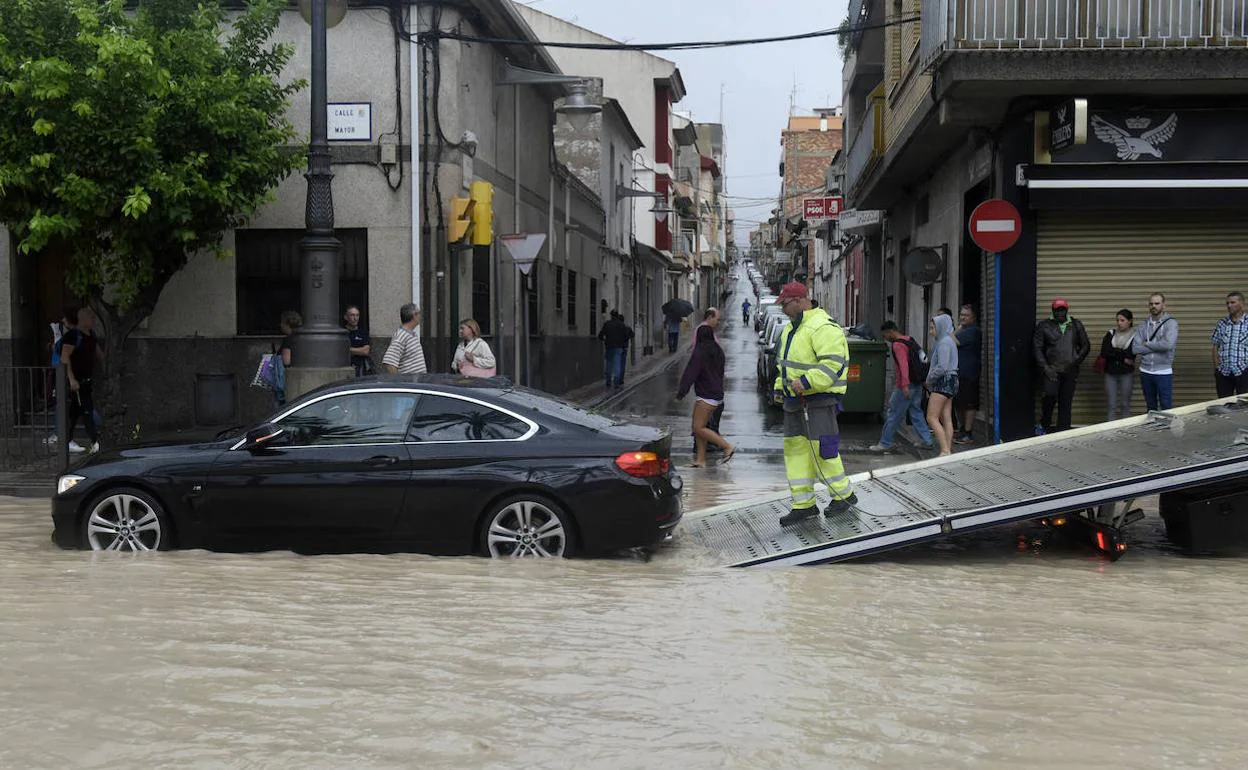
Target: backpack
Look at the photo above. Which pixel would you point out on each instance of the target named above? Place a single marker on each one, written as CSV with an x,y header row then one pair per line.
x,y
919,366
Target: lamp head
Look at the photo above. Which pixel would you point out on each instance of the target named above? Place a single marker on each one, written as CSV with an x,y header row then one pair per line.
x,y
577,108
335,11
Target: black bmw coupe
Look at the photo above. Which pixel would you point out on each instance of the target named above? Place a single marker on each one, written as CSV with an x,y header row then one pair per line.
x,y
431,463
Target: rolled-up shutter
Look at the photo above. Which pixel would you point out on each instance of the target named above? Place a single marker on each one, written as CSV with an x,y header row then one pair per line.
x,y
1103,261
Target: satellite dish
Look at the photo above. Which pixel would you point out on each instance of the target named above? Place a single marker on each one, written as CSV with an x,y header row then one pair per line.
x,y
923,266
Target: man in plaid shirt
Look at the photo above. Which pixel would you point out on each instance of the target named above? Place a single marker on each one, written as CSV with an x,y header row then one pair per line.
x,y
1230,348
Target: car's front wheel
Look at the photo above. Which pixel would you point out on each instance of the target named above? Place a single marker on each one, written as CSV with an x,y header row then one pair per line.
x,y
527,526
126,519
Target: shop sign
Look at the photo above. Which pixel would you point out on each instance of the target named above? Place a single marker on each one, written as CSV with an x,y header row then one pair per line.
x,y
1068,125
1162,136
819,209
860,219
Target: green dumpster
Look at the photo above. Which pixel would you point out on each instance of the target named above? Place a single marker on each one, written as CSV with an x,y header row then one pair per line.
x,y
866,373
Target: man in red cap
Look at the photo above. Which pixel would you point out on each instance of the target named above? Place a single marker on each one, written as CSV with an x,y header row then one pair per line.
x,y
1059,346
812,361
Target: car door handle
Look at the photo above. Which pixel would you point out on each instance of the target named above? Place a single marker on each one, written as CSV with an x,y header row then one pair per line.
x,y
381,460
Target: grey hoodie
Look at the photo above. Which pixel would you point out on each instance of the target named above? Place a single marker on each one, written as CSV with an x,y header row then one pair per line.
x,y
944,350
1155,342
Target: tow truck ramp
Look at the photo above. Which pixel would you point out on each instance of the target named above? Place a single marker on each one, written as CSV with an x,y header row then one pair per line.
x,y
1091,474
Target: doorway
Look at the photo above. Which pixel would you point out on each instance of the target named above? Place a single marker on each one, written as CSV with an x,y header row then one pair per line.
x,y
971,257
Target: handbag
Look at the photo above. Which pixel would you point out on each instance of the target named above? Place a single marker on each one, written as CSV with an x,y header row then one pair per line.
x,y
468,370
1100,364
266,373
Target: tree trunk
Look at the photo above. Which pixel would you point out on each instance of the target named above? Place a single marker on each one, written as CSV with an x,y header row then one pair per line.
x,y
119,424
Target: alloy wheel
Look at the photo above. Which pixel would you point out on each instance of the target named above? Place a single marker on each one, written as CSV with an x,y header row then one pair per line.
x,y
123,522
526,529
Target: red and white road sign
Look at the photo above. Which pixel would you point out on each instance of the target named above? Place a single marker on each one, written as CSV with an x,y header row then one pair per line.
x,y
995,225
828,207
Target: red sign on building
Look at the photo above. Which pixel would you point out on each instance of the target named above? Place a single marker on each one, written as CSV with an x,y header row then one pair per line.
x,y
829,207
995,225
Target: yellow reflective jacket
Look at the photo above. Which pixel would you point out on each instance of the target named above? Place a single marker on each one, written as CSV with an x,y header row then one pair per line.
x,y
815,349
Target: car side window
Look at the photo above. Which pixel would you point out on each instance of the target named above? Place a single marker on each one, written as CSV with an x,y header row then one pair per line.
x,y
443,418
351,418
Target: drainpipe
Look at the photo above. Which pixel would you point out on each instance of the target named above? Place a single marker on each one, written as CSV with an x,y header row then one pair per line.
x,y
413,78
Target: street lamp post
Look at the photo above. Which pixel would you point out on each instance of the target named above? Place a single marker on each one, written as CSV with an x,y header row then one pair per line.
x,y
321,343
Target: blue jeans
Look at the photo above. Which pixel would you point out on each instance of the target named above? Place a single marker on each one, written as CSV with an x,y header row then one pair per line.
x,y
898,405
1158,390
613,366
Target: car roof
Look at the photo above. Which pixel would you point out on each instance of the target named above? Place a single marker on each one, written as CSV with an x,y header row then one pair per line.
x,y
449,383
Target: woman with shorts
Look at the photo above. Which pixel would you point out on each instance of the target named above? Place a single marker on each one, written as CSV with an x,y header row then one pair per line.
x,y
942,382
705,374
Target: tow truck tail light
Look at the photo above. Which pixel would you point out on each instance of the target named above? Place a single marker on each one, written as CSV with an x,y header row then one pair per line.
x,y
643,464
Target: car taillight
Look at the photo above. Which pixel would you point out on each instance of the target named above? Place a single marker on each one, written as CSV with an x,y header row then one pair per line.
x,y
642,464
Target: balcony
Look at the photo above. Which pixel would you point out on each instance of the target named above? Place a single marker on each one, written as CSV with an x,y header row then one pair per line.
x,y
1011,25
867,148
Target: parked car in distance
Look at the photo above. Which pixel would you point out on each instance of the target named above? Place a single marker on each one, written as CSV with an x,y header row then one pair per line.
x,y
437,464
767,358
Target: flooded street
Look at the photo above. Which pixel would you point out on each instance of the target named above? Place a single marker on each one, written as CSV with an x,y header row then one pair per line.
x,y
970,654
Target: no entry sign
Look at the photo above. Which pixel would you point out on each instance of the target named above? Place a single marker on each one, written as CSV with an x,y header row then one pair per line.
x,y
995,225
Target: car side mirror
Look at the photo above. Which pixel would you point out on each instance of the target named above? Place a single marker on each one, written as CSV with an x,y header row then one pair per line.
x,y
263,436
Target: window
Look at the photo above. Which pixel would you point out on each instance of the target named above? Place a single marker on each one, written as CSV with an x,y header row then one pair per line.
x,y
593,306
267,276
558,287
571,299
352,418
443,418
482,282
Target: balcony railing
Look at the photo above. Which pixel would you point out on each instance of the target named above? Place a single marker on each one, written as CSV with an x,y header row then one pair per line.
x,y
867,148
1081,24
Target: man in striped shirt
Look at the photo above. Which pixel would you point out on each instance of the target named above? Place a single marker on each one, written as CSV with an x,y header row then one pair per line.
x,y
405,355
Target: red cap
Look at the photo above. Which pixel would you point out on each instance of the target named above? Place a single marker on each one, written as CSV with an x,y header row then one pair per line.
x,y
793,290
1059,302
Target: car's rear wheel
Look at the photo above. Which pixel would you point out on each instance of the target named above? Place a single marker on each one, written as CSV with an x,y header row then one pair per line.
x,y
126,519
527,526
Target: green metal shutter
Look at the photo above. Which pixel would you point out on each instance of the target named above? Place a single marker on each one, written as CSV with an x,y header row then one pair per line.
x,y
1103,261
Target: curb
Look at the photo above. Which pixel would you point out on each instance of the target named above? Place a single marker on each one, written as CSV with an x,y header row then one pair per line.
x,y
611,397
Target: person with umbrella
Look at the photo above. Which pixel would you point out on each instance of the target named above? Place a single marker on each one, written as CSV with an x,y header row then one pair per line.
x,y
674,311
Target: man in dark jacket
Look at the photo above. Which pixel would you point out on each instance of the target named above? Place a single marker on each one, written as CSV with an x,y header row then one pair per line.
x,y
615,336
1059,346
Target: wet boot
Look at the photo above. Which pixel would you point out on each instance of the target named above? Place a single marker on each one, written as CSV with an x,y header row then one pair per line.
x,y
799,514
841,506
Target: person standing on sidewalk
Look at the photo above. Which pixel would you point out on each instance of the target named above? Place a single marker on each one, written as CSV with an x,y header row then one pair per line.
x,y
812,360
473,357
1230,349
970,343
405,354
359,343
82,350
1059,345
942,382
1155,343
745,311
671,325
907,395
615,336
1119,365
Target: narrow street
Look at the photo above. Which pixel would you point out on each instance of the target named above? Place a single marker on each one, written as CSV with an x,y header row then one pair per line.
x,y
755,428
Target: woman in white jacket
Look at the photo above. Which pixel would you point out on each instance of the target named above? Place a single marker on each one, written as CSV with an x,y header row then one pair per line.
x,y
473,357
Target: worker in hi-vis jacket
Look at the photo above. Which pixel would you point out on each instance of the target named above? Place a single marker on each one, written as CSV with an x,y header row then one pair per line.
x,y
812,360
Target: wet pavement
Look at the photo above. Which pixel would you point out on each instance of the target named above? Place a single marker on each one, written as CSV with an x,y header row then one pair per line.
x,y
971,653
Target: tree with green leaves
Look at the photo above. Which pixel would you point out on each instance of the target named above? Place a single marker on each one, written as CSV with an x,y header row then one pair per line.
x,y
133,136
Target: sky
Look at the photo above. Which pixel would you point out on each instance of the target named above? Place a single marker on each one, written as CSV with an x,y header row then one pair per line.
x,y
758,81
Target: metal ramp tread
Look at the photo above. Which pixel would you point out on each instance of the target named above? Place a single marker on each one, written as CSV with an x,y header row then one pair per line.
x,y
992,486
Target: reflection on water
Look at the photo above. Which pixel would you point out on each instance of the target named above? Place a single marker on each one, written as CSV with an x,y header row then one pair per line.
x,y
975,655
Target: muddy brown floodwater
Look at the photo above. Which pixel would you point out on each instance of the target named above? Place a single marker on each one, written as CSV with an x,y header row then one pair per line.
x,y
974,656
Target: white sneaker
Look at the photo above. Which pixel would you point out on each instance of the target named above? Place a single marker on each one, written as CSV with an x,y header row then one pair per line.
x,y
76,448
880,449
95,447
50,439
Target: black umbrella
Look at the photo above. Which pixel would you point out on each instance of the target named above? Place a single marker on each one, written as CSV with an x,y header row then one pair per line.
x,y
677,307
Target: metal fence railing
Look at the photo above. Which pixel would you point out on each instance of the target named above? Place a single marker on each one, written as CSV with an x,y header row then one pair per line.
x,y
32,419
1081,24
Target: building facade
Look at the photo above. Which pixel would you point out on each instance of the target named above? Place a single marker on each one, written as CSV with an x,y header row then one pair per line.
x,y
425,123
959,107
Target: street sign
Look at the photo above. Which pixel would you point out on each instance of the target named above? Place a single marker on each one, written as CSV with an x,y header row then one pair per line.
x,y
523,248
995,225
828,207
1068,125
783,257
350,122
